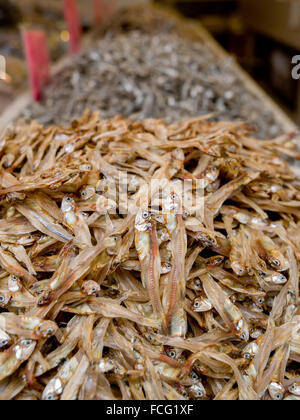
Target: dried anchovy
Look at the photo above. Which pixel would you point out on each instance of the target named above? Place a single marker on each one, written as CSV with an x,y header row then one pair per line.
x,y
146,68
157,304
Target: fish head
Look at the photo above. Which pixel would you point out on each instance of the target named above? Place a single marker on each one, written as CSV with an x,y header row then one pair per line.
x,y
250,350
90,288
201,304
53,390
14,283
46,329
295,388
276,391
166,268
68,204
27,239
242,330
143,221
87,192
171,203
211,174
23,349
238,268
4,298
197,391
178,155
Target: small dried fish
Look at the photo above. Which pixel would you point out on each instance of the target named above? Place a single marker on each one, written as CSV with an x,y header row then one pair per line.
x,y
109,292
146,65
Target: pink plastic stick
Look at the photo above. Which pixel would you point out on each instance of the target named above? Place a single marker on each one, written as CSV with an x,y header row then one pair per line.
x,y
38,60
73,24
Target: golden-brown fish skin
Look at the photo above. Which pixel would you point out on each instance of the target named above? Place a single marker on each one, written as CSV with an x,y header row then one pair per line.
x,y
110,296
11,359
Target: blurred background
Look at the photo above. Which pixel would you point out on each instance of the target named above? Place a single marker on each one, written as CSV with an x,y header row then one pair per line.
x,y
263,36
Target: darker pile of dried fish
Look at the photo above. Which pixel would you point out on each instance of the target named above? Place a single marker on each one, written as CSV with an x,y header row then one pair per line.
x,y
148,19
109,292
151,71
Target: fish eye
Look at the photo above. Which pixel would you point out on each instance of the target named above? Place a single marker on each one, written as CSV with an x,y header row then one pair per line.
x,y
199,394
50,331
293,387
172,354
214,169
276,262
184,393
14,278
83,193
194,376
4,342
116,369
50,397
2,299
150,338
260,301
145,215
27,343
198,284
247,356
68,199
196,304
243,337
278,397
173,196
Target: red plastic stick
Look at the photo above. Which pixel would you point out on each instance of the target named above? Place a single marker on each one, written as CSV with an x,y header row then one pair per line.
x,y
38,60
73,24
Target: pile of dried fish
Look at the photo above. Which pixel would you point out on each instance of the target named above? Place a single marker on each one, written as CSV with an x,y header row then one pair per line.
x,y
151,70
173,301
148,19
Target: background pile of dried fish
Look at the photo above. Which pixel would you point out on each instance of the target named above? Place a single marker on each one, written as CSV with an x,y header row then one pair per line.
x,y
160,304
146,19
145,68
